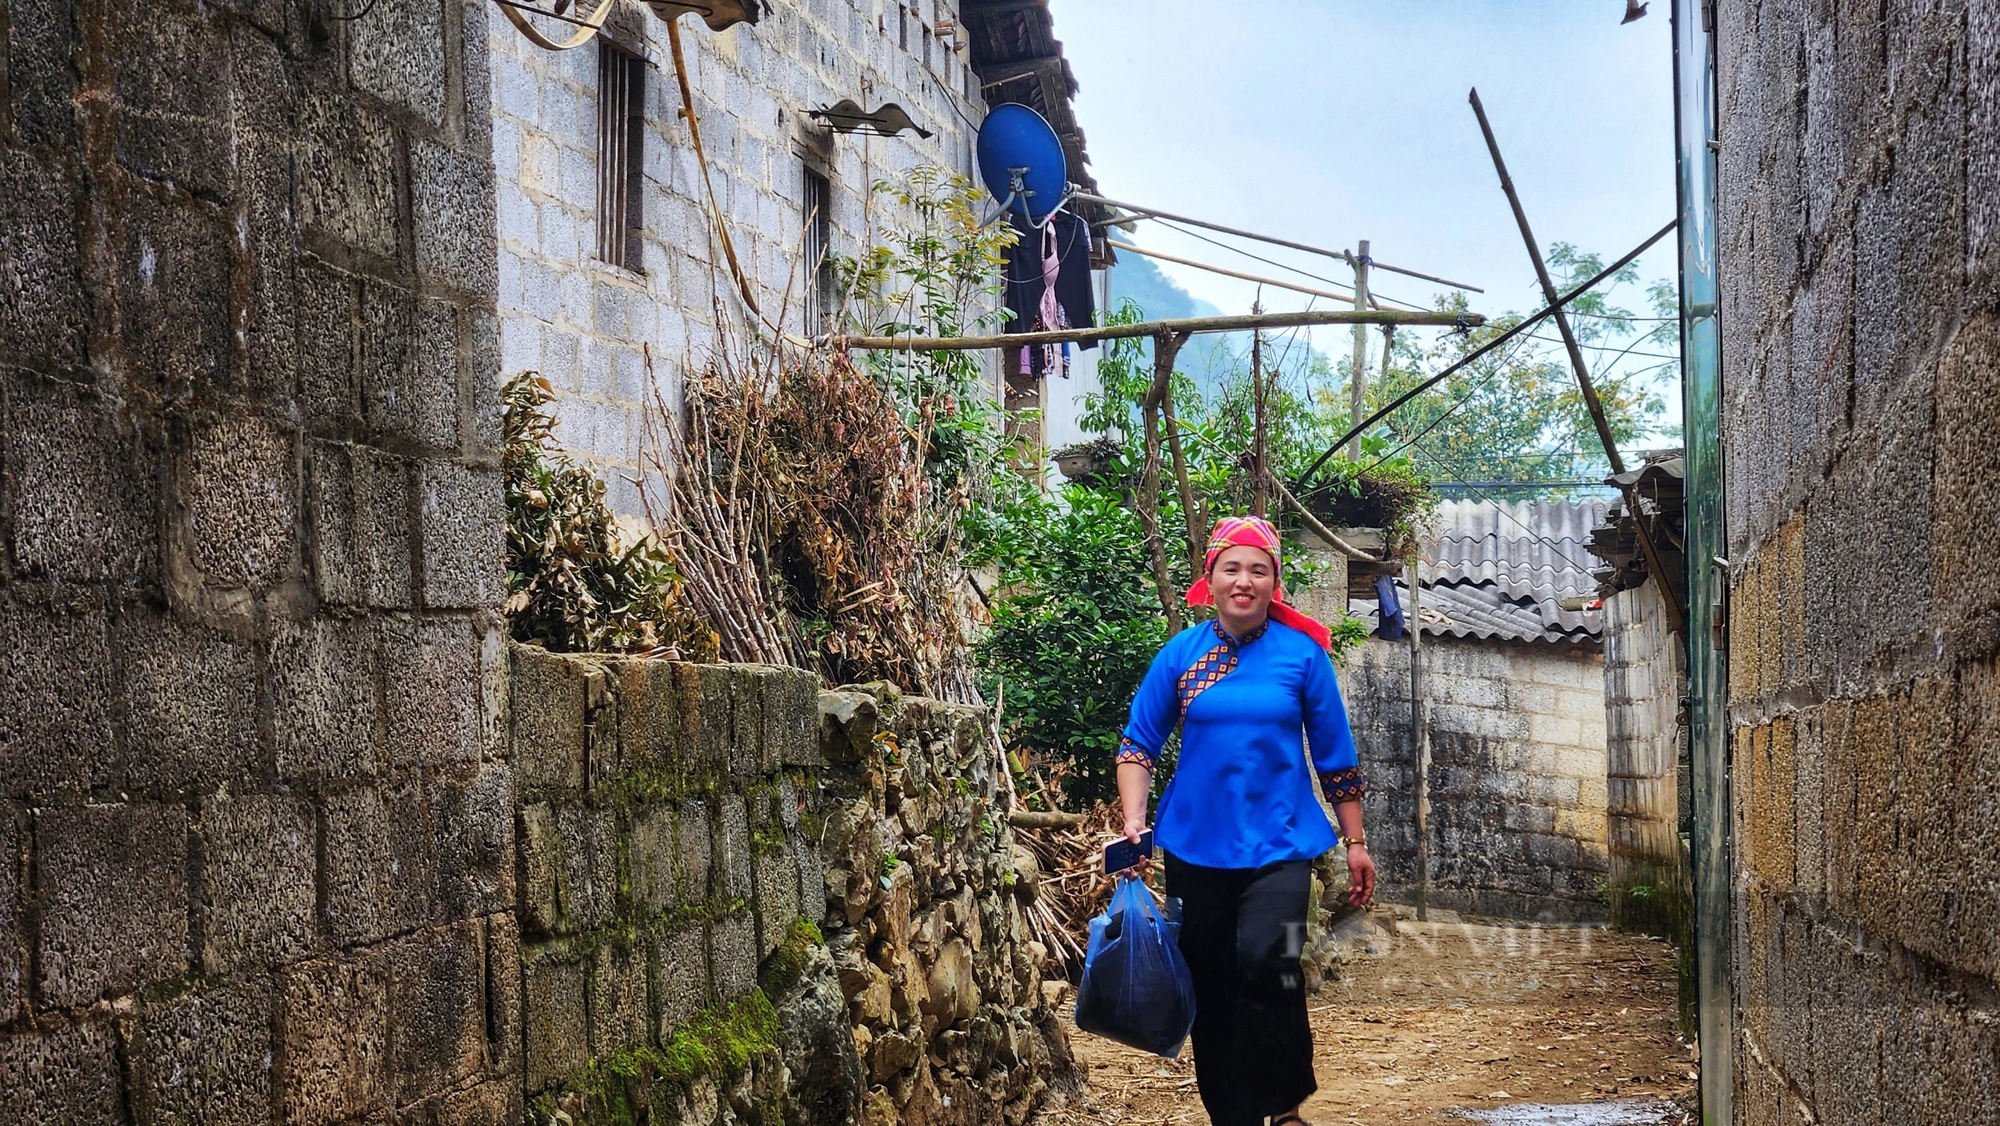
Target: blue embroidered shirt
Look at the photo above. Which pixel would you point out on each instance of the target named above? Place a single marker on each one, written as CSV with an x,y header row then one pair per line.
x,y
1241,795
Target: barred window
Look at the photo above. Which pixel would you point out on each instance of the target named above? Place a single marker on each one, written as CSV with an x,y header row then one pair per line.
x,y
817,205
621,89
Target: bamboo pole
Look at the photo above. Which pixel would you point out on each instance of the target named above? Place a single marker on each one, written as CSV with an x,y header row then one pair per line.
x,y
1420,742
1259,496
1190,512
1654,558
1183,326
1166,348
1357,383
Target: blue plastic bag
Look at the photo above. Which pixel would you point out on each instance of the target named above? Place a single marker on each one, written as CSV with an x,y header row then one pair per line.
x,y
1136,989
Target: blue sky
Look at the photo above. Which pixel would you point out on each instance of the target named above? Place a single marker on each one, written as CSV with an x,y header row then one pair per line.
x,y
1335,120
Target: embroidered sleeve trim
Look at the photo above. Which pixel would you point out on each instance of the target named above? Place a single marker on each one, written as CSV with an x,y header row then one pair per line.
x,y
1343,785
1128,751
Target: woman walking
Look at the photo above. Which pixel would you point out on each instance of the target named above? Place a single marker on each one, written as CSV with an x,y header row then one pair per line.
x,y
1239,823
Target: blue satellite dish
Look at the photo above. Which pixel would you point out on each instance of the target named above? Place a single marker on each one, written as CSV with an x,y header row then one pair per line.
x,y
1021,157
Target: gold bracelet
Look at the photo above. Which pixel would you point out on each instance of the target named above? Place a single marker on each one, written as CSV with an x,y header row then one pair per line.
x,y
1350,842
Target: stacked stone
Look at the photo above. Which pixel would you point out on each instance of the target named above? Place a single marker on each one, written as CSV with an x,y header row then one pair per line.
x,y
664,849
1858,220
924,901
254,813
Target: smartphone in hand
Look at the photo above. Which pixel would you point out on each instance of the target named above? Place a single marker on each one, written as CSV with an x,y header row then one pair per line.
x,y
1122,854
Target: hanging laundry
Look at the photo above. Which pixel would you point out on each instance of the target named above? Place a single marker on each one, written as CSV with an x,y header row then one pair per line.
x,y
1391,626
1048,286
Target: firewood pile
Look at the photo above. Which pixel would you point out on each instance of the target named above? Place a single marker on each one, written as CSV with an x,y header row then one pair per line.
x,y
1073,889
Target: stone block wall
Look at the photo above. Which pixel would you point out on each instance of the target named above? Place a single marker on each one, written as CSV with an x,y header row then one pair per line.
x,y
925,891
1517,779
587,325
1859,248
1646,741
741,900
254,806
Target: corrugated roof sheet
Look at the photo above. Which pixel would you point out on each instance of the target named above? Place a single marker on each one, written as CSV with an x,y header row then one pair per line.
x,y
1500,569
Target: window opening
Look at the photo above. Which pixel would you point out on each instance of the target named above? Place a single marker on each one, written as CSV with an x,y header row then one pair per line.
x,y
817,203
621,78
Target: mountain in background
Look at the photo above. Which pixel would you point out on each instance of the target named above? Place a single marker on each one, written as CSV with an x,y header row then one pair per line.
x,y
1206,359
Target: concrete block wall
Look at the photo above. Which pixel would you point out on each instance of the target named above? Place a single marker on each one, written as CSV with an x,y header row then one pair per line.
x,y
1859,231
1517,780
254,806
664,850
588,325
1644,679
677,826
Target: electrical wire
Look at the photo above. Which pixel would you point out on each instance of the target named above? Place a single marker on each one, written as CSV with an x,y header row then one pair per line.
x,y
1274,262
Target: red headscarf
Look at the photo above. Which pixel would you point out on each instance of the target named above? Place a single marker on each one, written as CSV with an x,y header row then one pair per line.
x,y
1253,531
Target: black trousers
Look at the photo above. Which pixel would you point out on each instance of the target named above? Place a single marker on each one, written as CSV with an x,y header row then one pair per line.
x,y
1242,930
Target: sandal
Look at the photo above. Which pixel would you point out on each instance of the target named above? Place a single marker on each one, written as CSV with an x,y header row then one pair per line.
x,y
1292,1116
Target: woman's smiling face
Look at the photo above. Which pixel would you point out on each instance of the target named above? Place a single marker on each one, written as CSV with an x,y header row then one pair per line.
x,y
1242,582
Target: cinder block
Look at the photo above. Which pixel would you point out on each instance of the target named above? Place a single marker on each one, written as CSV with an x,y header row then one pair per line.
x,y
239,483
258,857
494,1103
618,1017
324,711
503,995
476,843
172,115
541,870
112,885
398,56
813,892
408,368
705,708
680,977
47,304
174,295
650,722
349,187
334,1033
55,696
382,513
66,1074
437,1009
558,1035
13,952
84,495
328,304
653,857
431,669
190,705
462,527
777,877
381,862
733,846
791,718
588,891
333,551
546,703
452,194
205,1056
733,955
748,757
697,851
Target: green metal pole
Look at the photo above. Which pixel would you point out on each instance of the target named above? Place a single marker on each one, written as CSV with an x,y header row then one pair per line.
x,y
1707,548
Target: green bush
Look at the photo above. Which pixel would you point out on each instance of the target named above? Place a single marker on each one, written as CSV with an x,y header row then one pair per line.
x,y
1076,622
573,582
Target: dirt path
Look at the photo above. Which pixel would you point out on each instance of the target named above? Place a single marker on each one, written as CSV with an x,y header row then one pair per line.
x,y
1451,1022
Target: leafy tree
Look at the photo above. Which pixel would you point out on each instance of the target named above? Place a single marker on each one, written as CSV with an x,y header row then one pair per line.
x,y
1516,414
